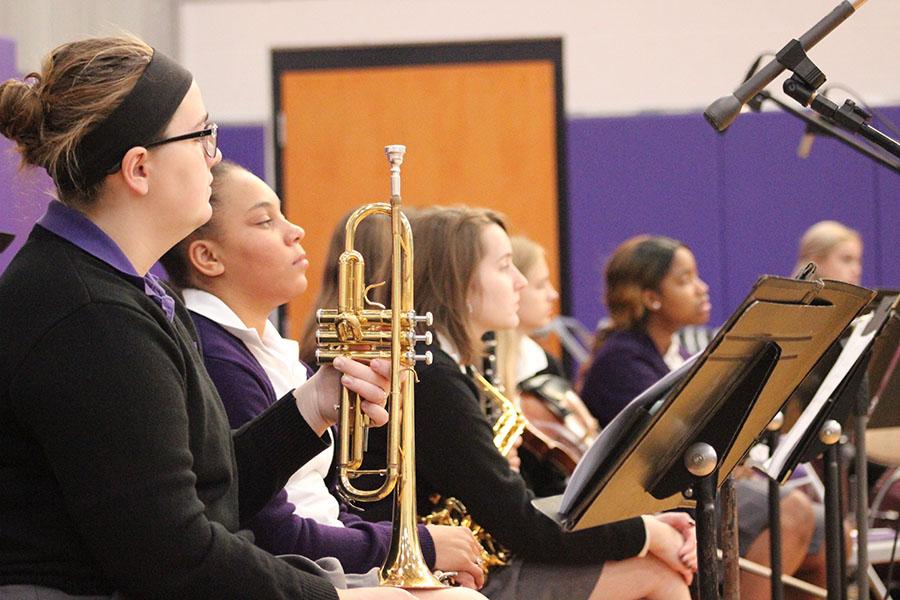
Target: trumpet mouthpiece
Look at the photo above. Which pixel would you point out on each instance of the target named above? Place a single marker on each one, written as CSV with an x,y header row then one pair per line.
x,y
395,153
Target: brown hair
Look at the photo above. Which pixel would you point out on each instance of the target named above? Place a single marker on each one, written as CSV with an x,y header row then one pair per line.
x,y
373,241
525,253
176,262
819,240
639,263
47,114
448,248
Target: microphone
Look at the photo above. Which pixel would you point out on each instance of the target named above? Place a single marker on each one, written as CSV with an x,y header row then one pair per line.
x,y
722,112
806,142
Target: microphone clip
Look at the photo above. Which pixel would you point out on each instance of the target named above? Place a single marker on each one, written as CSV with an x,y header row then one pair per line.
x,y
793,57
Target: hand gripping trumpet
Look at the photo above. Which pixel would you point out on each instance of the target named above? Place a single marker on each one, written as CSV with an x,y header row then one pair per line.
x,y
364,330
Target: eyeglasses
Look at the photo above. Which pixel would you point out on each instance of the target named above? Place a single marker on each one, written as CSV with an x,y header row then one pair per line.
x,y
209,138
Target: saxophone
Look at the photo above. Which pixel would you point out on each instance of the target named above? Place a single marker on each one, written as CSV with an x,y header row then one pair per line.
x,y
450,511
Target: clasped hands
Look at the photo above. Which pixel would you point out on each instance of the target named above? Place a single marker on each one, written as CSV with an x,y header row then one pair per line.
x,y
673,540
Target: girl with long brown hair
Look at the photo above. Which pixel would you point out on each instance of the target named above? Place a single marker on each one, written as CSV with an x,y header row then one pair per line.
x,y
465,276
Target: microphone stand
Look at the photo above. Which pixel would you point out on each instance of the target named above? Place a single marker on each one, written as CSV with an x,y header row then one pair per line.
x,y
802,86
820,126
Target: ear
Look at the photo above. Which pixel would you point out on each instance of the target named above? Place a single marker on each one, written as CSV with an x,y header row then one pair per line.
x,y
204,257
134,170
651,300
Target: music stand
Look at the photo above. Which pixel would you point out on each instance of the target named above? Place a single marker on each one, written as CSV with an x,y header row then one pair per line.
x,y
818,430
884,374
5,240
678,441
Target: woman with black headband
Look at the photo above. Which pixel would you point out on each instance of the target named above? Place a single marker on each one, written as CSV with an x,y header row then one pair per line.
x,y
118,472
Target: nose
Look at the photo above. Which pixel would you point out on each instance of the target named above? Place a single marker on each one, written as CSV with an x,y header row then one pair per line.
x,y
519,281
294,233
554,294
704,288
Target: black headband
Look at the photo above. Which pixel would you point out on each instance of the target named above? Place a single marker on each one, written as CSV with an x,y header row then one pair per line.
x,y
143,113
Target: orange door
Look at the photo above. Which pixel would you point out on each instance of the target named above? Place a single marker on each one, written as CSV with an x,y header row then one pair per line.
x,y
482,133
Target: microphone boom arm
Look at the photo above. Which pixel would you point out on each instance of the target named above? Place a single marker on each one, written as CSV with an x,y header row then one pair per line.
x,y
821,125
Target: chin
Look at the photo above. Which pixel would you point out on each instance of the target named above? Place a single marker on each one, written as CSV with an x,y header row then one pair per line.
x,y
298,288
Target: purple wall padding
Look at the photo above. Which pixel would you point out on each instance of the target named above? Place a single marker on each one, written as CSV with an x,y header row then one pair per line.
x,y
23,193
740,200
653,174
245,145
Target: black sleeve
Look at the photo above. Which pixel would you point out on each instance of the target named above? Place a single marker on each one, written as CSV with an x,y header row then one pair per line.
x,y
104,394
456,456
269,449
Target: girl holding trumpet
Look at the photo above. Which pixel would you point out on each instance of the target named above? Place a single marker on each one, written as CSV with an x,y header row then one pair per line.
x,y
233,272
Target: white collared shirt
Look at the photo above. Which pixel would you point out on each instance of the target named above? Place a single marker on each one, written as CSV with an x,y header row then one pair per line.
x,y
532,359
673,357
279,358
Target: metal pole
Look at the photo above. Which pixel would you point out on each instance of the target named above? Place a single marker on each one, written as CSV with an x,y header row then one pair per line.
x,y
706,537
862,508
830,435
731,583
775,514
702,462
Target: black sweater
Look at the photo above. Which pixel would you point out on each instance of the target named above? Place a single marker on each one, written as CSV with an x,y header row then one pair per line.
x,y
456,456
118,470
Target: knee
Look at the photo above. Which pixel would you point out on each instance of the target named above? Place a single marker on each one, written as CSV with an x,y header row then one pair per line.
x,y
797,515
665,582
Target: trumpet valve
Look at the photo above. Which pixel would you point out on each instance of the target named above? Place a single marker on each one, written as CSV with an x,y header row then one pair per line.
x,y
426,358
426,337
413,318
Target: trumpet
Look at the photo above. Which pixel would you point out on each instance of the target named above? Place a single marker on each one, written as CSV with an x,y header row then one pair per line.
x,y
364,330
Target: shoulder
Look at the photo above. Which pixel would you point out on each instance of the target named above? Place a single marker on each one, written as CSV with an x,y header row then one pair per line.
x,y
443,367
443,380
52,275
216,342
624,347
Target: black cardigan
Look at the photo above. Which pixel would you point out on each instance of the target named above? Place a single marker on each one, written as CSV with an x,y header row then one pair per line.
x,y
456,456
118,470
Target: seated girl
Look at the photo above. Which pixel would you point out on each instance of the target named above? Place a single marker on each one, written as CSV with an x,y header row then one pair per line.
x,y
535,379
234,271
653,290
465,276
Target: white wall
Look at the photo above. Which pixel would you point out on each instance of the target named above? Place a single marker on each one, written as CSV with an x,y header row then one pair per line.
x,y
37,26
620,57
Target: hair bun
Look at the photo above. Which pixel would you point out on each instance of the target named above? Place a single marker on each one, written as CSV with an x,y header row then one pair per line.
x,y
22,114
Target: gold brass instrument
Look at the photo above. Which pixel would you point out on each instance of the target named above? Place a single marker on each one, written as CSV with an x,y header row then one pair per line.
x,y
510,423
363,330
507,429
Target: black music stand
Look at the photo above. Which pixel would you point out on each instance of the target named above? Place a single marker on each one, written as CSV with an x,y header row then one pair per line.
x,y
678,441
5,240
818,430
884,373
